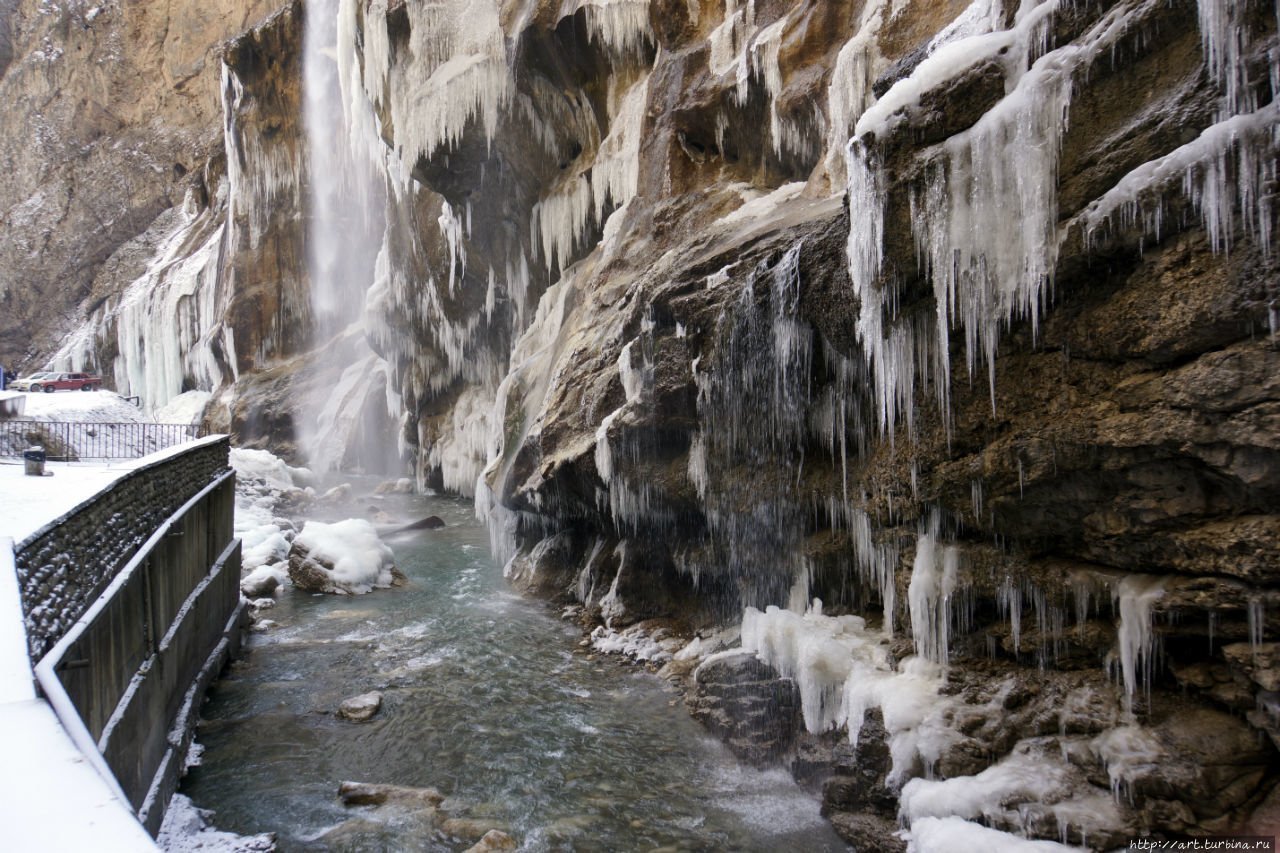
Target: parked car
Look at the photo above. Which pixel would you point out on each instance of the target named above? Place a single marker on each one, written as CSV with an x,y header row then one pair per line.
x,y
50,381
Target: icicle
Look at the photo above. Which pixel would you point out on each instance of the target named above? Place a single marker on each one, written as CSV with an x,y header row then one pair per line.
x,y
621,25
929,597
1136,595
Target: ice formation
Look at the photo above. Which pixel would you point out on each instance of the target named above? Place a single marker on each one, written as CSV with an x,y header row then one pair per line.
x,y
929,597
843,670
1135,596
166,327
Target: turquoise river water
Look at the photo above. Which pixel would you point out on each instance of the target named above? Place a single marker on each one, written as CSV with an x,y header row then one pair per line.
x,y
488,699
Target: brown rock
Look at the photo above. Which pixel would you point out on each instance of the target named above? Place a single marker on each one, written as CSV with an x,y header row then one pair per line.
x,y
371,794
360,708
494,840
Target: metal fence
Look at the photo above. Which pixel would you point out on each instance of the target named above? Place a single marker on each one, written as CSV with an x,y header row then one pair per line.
x,y
66,441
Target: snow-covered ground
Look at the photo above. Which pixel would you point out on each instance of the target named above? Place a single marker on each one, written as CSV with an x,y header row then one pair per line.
x,y
28,503
85,406
111,416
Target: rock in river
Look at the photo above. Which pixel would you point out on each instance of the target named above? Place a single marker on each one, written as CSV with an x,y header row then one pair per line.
x,y
360,708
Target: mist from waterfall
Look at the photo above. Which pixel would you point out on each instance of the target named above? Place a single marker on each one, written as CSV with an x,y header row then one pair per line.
x,y
345,212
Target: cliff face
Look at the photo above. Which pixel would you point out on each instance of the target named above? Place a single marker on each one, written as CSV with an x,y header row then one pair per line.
x,y
112,112
959,318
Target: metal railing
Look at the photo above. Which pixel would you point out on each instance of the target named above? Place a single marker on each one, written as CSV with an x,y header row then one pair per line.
x,y
67,441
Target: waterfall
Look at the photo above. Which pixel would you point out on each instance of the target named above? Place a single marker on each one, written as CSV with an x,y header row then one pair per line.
x,y
345,202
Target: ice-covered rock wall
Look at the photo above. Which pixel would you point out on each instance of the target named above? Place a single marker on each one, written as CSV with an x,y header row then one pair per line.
x,y
957,317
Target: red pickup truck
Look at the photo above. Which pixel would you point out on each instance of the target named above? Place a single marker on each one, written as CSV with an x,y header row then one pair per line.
x,y
50,381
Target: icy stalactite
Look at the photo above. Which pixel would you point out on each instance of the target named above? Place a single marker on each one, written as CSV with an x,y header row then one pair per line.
x,y
455,72
985,221
620,25
817,652
1244,147
986,226
262,178
850,92
166,327
615,172
462,450
751,54
893,355
1227,168
454,232
560,220
1135,597
929,597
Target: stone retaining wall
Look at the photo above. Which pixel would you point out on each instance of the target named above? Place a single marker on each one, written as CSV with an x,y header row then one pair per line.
x,y
65,565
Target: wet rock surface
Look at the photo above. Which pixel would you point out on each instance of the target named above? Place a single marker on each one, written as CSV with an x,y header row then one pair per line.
x,y
702,352
358,709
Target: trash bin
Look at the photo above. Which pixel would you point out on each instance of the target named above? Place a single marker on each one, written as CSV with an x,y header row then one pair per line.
x,y
34,458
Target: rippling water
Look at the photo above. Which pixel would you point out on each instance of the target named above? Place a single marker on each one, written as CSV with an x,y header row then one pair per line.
x,y
484,699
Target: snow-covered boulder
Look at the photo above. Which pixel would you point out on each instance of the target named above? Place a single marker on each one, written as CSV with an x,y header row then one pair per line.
x,y
261,582
345,557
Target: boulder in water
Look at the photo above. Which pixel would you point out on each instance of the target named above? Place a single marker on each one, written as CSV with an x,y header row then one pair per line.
x,y
337,493
360,708
345,557
373,794
494,840
403,486
259,584
431,522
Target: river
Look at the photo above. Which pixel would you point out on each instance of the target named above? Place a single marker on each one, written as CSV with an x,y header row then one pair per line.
x,y
488,698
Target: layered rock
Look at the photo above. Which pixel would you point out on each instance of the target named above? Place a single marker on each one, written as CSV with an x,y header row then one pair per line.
x,y
959,318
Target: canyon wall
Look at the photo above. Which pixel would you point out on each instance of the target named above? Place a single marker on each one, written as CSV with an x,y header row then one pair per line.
x,y
957,318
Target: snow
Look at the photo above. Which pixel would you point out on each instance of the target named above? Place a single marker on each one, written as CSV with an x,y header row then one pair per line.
x,y
188,828
1026,776
27,504
85,407
637,642
46,778
64,804
262,481
264,466
17,684
186,408
954,835
360,559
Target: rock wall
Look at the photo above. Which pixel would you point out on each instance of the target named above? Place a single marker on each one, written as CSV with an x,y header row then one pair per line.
x,y
958,318
113,111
